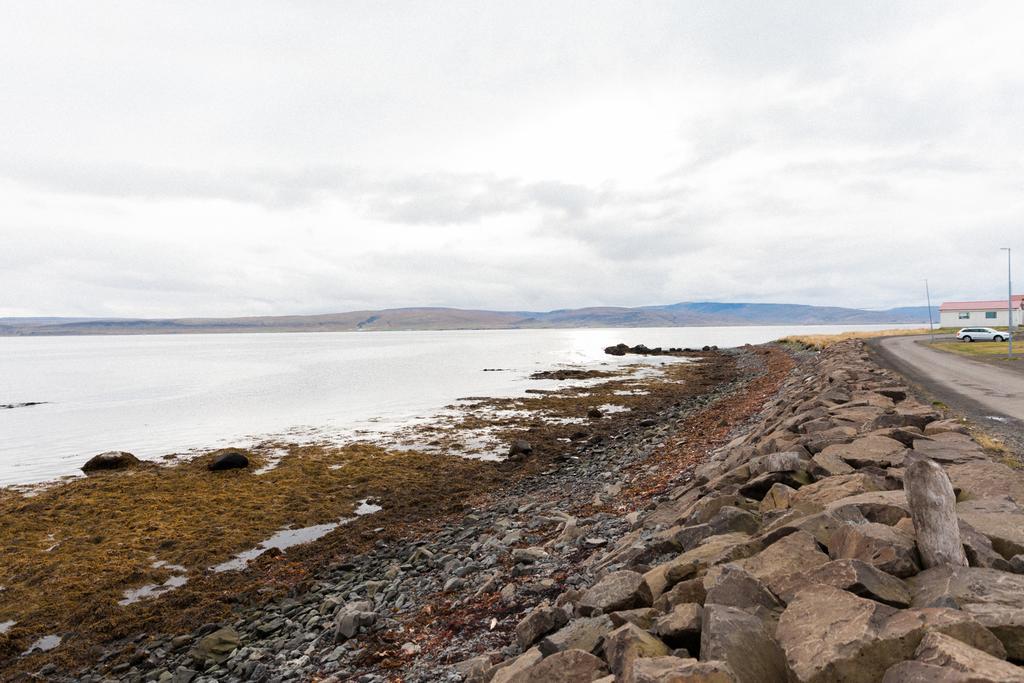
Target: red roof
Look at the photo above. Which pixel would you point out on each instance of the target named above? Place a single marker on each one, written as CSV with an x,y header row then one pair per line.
x,y
999,304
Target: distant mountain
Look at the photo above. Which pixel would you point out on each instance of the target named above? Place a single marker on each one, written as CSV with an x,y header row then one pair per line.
x,y
674,315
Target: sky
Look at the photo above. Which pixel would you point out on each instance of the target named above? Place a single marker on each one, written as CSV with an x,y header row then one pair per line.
x,y
217,158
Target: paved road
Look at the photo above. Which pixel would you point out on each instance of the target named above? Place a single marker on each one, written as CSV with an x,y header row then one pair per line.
x,y
981,387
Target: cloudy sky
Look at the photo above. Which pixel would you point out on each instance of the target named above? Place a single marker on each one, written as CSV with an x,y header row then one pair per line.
x,y
262,157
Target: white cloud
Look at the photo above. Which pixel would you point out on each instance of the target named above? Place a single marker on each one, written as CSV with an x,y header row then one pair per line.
x,y
194,159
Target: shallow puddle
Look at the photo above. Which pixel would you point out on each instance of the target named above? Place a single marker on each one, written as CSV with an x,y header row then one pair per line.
x,y
151,590
44,644
5,626
286,538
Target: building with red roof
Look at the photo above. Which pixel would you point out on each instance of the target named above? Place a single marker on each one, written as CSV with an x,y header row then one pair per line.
x,y
981,313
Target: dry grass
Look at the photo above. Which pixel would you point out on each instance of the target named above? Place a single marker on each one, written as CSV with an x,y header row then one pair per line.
x,y
988,350
998,449
821,341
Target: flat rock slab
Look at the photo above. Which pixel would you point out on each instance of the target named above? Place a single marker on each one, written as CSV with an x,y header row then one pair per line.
x,y
616,591
950,448
962,586
985,479
880,451
884,507
952,654
835,488
714,550
887,548
789,554
571,666
857,577
670,669
628,643
580,634
998,518
1005,622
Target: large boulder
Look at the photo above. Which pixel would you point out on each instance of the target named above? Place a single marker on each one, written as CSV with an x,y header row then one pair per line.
x,y
994,598
508,670
623,646
734,587
986,479
692,563
887,548
571,666
111,460
857,577
742,641
728,519
228,459
884,507
822,525
616,591
831,635
542,620
952,654
979,550
998,518
950,448
681,626
880,451
961,586
1006,624
831,489
681,670
789,554
216,647
579,634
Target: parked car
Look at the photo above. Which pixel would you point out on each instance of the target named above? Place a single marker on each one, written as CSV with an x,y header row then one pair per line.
x,y
973,334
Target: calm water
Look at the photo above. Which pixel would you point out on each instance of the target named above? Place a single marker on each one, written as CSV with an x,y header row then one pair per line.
x,y
154,395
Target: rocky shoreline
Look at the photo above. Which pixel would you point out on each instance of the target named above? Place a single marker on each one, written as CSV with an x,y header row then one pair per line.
x,y
792,551
87,572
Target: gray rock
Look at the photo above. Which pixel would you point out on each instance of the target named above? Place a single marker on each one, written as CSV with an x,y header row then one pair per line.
x,y
571,666
858,577
888,549
351,617
681,670
539,622
111,460
216,647
528,555
741,640
580,634
952,654
623,646
616,591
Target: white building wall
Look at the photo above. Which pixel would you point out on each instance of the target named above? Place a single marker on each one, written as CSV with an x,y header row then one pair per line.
x,y
977,318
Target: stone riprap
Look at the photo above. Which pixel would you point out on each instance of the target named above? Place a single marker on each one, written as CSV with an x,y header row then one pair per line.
x,y
790,554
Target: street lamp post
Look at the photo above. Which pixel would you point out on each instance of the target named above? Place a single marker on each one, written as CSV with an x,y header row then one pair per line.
x,y
931,329
1009,301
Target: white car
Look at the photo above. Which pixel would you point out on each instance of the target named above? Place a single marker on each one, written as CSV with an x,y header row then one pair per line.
x,y
973,334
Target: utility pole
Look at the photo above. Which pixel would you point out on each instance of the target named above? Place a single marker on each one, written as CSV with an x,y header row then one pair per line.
x,y
1009,301
931,330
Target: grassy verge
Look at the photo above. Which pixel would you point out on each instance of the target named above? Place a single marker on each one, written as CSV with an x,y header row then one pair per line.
x,y
821,341
993,350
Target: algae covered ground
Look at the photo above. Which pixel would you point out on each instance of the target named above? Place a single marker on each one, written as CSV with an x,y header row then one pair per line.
x,y
70,550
